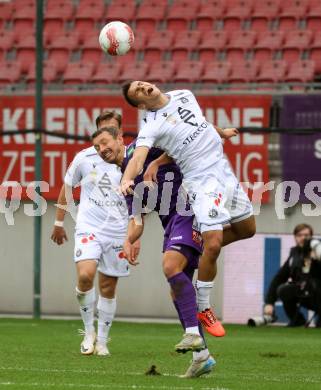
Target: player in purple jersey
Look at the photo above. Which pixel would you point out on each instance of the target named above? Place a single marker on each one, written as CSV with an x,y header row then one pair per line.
x,y
182,244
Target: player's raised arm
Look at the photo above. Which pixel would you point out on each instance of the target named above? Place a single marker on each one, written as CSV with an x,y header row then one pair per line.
x,y
226,133
133,168
152,169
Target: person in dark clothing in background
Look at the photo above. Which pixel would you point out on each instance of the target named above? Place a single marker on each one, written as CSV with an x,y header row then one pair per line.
x,y
298,281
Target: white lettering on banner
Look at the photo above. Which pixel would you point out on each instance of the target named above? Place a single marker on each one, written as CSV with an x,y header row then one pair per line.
x,y
24,168
13,155
52,173
57,119
258,172
55,122
18,162
252,117
317,148
10,122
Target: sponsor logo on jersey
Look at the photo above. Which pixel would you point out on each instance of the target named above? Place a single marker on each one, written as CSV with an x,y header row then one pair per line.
x,y
104,185
130,150
195,134
196,237
212,213
184,100
78,252
177,238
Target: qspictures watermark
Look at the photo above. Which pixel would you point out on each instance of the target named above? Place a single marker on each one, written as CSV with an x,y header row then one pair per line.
x,y
286,195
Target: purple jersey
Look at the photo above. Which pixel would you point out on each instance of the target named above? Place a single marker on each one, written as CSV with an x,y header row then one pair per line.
x,y
178,229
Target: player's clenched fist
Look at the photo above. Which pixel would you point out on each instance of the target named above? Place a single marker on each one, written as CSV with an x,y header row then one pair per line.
x,y
126,187
59,235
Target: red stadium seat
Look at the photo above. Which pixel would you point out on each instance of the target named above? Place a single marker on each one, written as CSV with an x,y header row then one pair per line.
x,y
7,39
315,51
129,58
61,47
216,72
237,11
240,41
272,72
88,14
107,73
161,72
189,72
313,18
234,56
49,73
78,73
185,42
212,41
208,13
125,12
56,15
26,53
180,14
91,51
267,42
291,12
243,72
140,40
9,73
300,71
148,15
6,10
295,43
263,13
24,17
134,71
158,42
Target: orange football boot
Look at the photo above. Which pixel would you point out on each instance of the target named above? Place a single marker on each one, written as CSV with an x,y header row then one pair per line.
x,y
210,322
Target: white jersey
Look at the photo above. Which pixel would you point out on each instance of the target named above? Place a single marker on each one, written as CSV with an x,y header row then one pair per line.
x,y
181,130
101,209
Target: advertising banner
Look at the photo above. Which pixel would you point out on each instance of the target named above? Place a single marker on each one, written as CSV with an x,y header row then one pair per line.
x,y
301,153
75,115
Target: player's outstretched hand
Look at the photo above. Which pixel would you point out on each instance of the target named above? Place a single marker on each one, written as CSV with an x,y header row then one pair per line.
x,y
230,132
126,187
151,172
131,251
59,235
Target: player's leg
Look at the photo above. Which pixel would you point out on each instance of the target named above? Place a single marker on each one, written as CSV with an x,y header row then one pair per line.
x,y
184,298
203,362
239,230
106,309
87,251
111,266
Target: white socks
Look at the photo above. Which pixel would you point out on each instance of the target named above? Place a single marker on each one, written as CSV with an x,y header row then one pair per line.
x,y
106,312
203,291
201,355
87,301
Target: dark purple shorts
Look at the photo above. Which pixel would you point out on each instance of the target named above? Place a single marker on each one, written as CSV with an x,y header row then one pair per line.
x,y
180,236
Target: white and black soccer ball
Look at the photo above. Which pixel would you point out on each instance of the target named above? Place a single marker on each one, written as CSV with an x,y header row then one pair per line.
x,y
116,38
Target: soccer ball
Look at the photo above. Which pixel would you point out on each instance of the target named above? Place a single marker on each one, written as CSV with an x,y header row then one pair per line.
x,y
116,38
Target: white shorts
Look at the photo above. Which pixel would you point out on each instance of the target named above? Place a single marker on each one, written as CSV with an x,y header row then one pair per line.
x,y
108,252
218,198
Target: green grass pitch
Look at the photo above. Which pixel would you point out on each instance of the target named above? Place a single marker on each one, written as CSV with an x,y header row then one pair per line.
x,y
45,355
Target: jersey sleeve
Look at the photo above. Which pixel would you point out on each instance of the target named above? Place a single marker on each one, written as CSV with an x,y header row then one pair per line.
x,y
73,175
147,135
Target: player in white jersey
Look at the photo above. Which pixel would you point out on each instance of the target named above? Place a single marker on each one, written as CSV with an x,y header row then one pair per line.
x,y
174,122
100,231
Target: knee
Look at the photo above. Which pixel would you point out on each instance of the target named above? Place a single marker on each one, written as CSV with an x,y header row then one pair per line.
x,y
212,247
85,281
170,268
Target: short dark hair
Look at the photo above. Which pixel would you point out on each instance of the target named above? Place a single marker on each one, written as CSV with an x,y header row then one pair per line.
x,y
125,89
107,115
302,226
113,131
